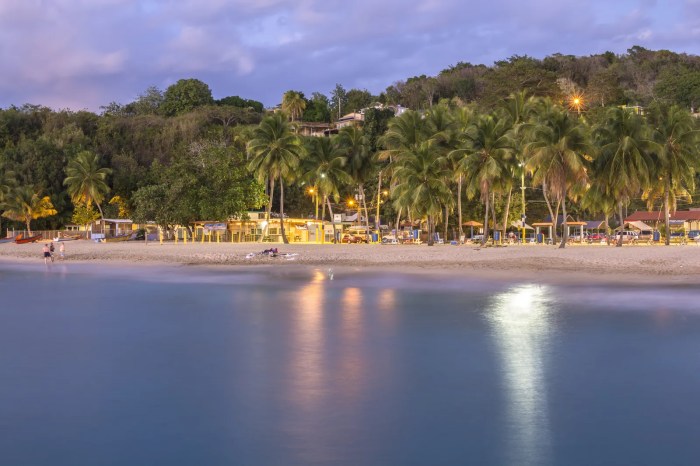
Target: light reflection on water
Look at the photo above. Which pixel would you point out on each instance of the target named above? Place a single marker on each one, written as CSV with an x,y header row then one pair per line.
x,y
293,368
522,324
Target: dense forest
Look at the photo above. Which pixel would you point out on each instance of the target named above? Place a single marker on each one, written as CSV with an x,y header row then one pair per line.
x,y
179,155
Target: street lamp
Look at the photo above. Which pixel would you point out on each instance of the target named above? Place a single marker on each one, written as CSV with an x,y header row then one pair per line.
x,y
522,192
313,193
576,103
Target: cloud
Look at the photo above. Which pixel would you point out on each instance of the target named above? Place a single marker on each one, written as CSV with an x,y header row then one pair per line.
x,y
86,53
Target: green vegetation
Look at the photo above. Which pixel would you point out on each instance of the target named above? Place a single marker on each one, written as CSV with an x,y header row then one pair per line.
x,y
472,135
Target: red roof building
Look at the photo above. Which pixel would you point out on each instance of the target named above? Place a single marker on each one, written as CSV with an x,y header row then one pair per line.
x,y
689,218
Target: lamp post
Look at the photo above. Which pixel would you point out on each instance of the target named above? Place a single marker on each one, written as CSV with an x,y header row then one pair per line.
x,y
575,103
522,193
313,193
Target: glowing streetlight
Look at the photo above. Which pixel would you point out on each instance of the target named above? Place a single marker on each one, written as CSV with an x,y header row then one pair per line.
x,y
576,103
314,194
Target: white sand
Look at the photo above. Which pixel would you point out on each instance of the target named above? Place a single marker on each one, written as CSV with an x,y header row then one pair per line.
x,y
534,263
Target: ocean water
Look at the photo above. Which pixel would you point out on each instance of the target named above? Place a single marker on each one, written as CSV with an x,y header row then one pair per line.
x,y
188,366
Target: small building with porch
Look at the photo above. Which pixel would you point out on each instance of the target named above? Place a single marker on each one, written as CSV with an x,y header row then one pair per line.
x,y
681,220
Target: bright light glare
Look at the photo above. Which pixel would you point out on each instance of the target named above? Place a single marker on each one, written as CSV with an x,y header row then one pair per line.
x,y
522,319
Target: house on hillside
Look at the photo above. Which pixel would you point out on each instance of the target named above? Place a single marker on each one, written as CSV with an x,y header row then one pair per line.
x,y
358,118
313,128
354,118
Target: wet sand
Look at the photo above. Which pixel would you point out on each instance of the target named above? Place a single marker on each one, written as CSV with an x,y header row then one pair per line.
x,y
534,263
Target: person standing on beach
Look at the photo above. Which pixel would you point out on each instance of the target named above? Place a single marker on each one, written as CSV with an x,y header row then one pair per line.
x,y
52,249
62,251
47,254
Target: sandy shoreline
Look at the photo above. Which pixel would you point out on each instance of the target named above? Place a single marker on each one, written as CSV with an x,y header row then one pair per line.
x,y
533,263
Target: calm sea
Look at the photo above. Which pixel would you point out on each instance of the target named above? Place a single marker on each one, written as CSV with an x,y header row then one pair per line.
x,y
186,366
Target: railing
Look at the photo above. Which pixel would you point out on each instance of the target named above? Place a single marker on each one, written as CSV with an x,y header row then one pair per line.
x,y
48,235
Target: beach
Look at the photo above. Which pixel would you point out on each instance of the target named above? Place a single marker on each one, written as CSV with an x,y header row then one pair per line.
x,y
533,263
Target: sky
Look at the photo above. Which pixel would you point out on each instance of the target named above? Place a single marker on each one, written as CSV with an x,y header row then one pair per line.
x,y
83,54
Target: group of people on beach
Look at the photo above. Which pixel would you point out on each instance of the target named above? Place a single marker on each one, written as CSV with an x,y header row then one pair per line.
x,y
49,252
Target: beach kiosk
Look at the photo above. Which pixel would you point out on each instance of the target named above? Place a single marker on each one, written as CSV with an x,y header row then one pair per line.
x,y
580,225
471,224
539,236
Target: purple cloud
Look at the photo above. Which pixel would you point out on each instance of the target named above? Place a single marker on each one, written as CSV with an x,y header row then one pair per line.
x,y
85,53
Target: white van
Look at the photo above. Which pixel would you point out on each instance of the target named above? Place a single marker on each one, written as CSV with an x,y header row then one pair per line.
x,y
627,236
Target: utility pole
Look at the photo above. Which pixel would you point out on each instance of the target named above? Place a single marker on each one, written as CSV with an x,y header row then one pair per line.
x,y
522,192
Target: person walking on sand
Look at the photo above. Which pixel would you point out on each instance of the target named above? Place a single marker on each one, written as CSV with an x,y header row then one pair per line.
x,y
62,251
52,249
47,254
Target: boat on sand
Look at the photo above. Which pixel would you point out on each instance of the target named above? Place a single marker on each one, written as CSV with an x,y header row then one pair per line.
x,y
29,239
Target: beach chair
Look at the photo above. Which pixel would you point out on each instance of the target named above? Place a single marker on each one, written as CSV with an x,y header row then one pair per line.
x,y
437,238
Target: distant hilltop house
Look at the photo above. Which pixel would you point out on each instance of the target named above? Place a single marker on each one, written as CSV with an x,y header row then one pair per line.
x,y
313,128
636,109
357,118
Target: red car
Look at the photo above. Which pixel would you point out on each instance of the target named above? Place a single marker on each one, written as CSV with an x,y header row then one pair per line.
x,y
595,237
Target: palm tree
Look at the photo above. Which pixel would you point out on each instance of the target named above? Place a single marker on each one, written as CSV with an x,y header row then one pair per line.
x,y
463,118
557,156
24,204
677,156
520,109
354,145
293,104
275,152
323,166
7,184
85,181
440,128
624,163
487,147
404,134
420,184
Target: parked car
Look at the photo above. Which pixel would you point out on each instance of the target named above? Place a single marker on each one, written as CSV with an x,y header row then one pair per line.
x,y
694,234
627,236
645,235
597,237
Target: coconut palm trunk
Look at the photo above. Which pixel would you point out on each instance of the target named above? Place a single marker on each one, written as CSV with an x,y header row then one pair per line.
x,y
447,221
549,207
622,225
565,226
506,214
268,210
431,240
486,218
493,214
667,215
285,240
459,206
330,212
